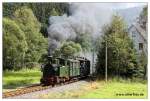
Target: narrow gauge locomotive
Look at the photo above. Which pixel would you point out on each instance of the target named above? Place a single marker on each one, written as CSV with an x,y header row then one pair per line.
x,y
60,70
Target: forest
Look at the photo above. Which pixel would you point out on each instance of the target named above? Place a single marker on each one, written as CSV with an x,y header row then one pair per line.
x,y
25,33
28,39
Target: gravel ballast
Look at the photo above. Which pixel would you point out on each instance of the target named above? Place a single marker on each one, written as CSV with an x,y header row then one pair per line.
x,y
58,89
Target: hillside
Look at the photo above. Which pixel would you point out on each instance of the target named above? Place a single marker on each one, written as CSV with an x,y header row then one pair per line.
x,y
130,14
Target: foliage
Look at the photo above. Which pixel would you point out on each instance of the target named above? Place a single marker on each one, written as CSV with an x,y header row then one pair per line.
x,y
42,11
28,23
27,17
121,54
145,11
68,49
84,39
15,45
44,29
143,18
54,12
141,72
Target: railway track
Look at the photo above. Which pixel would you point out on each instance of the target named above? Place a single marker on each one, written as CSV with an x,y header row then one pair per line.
x,y
32,88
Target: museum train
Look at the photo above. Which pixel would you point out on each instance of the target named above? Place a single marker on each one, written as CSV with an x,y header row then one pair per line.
x,y
61,70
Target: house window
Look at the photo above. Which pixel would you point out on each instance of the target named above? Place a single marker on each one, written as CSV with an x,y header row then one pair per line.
x,y
140,46
133,34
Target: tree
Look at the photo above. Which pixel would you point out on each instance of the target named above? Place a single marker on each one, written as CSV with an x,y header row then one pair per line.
x,y
44,26
54,12
37,44
121,53
14,45
42,11
84,39
70,49
143,19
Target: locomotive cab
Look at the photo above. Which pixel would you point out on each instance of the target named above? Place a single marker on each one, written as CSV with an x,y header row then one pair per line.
x,y
50,70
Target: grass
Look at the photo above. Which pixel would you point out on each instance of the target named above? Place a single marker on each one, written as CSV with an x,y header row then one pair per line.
x,y
119,90
100,89
96,89
15,79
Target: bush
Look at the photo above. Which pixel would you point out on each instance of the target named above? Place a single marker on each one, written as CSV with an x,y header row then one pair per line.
x,y
32,65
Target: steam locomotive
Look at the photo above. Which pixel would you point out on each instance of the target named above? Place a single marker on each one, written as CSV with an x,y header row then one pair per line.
x,y
60,70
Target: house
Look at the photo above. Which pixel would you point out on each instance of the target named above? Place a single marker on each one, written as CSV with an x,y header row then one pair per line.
x,y
139,37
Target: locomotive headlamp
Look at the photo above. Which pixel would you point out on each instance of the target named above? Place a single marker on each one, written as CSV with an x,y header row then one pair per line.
x,y
55,69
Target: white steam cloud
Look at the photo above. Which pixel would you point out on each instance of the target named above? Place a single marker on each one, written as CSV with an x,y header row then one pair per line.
x,y
84,18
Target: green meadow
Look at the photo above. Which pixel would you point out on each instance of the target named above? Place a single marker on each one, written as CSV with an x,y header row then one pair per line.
x,y
118,90
24,77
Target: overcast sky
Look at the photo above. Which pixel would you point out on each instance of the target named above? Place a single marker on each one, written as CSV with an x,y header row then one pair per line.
x,y
112,5
124,5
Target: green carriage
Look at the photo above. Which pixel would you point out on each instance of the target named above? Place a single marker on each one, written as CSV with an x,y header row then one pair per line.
x,y
68,68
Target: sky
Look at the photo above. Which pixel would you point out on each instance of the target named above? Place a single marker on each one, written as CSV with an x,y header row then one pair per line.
x,y
113,5
125,5
117,5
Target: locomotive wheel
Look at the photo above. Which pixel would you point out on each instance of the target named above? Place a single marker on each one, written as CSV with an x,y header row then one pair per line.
x,y
64,80
53,85
58,80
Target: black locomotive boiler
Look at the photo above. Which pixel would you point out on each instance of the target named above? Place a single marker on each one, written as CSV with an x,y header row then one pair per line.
x,y
60,70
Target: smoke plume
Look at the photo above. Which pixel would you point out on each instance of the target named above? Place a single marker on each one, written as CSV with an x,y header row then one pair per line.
x,y
84,18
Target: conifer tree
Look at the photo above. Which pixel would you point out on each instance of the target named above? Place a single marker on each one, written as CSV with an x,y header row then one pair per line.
x,y
121,53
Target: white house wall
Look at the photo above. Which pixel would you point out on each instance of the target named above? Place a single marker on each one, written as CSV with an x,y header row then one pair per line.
x,y
136,38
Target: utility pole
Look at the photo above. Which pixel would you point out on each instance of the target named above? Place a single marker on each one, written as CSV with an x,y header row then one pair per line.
x,y
93,57
106,62
93,61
